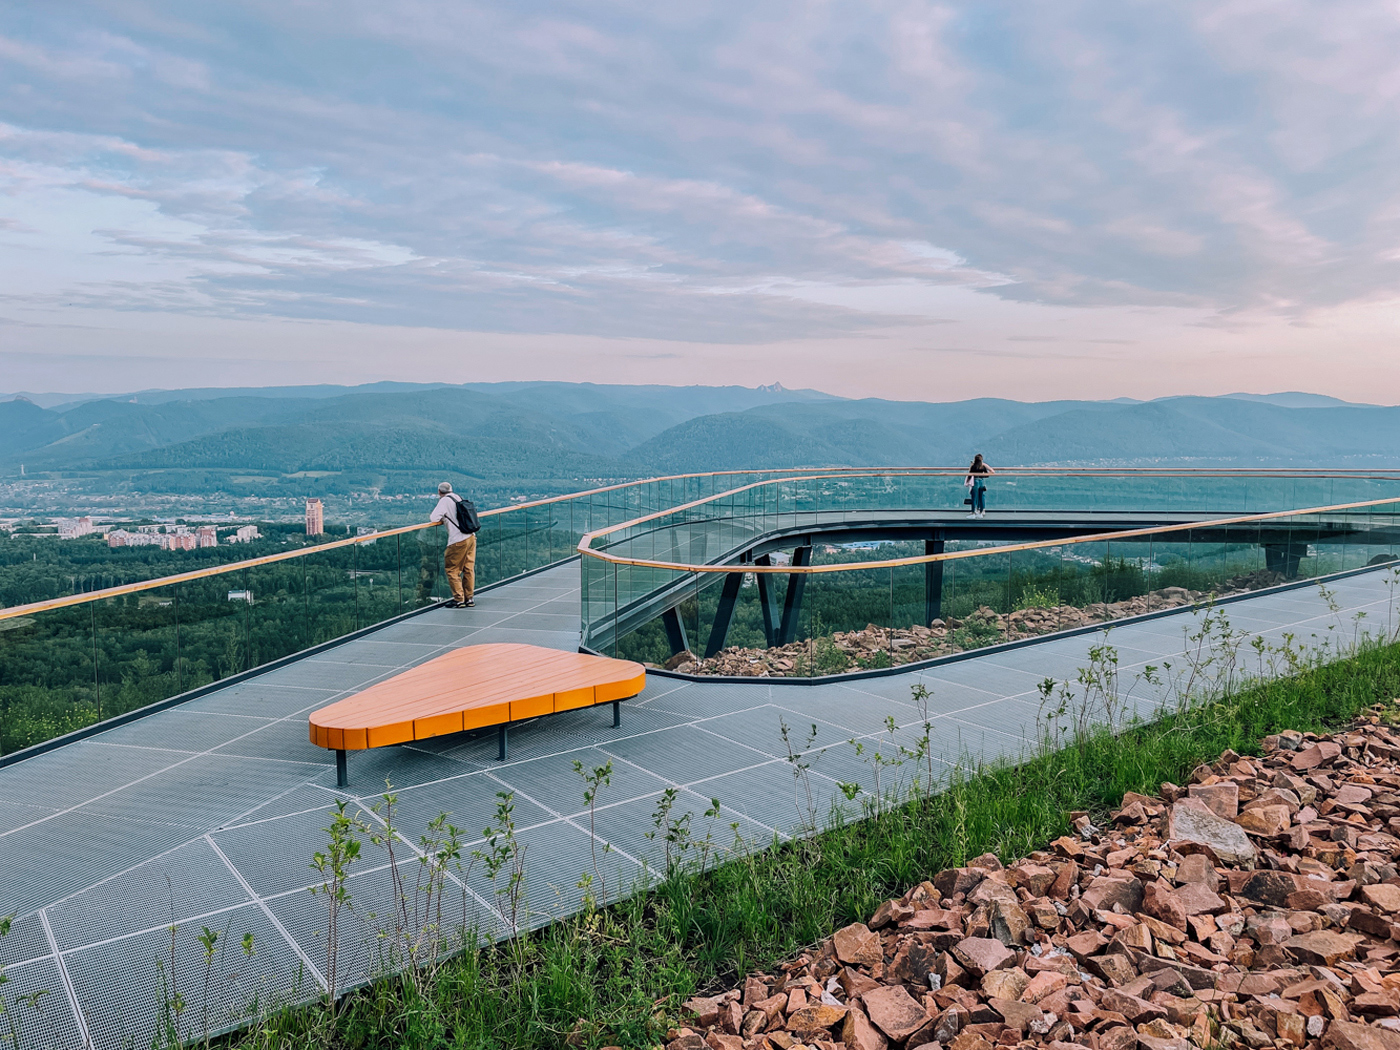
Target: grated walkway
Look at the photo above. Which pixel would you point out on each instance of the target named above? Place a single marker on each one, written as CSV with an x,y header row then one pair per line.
x,y
207,815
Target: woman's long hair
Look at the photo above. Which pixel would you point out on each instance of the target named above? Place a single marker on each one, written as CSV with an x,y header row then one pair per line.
x,y
976,462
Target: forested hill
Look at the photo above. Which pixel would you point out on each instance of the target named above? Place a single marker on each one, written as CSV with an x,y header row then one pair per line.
x,y
562,431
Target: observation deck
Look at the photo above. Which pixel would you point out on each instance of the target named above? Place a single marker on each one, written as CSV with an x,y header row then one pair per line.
x,y
203,808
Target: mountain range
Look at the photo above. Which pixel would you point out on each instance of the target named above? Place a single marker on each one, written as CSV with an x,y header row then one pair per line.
x,y
548,431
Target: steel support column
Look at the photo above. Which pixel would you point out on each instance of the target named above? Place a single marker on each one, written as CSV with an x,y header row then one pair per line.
x,y
792,601
933,580
770,635
675,631
727,598
1283,558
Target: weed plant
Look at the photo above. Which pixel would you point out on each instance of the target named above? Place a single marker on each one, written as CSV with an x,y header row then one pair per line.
x,y
617,975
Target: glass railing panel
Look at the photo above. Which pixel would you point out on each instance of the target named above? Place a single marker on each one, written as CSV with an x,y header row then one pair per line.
x,y
50,675
137,651
272,606
913,598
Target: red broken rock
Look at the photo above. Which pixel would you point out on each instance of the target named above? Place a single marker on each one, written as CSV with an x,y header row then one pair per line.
x,y
894,1012
859,1034
1161,903
856,944
1323,753
981,955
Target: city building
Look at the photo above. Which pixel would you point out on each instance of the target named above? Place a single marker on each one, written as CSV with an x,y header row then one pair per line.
x,y
123,538
241,596
72,528
245,534
207,536
366,530
315,522
178,541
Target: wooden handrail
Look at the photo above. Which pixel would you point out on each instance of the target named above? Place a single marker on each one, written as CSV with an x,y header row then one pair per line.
x,y
794,474
251,563
1010,548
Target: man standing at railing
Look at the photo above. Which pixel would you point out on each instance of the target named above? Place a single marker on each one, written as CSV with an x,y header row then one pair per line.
x,y
459,516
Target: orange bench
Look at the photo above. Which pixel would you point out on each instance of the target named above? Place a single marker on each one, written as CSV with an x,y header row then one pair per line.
x,y
472,688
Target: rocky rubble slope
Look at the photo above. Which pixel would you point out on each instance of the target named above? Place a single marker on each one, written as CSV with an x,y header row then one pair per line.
x,y
855,649
1256,907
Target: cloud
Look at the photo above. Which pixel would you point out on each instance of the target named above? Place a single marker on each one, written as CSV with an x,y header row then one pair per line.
x,y
697,171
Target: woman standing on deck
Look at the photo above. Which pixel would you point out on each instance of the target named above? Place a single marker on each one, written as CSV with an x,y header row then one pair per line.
x,y
977,485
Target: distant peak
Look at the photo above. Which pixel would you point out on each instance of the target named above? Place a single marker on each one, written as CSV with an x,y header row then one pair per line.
x,y
772,388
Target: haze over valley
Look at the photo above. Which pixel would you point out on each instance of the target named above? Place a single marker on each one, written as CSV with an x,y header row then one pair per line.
x,y
372,452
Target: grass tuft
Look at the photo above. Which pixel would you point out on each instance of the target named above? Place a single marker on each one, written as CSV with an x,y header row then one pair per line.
x,y
617,976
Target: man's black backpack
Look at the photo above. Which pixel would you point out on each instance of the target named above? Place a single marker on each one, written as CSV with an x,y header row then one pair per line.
x,y
467,521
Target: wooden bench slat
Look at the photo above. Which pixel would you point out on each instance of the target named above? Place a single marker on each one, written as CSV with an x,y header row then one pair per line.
x,y
471,688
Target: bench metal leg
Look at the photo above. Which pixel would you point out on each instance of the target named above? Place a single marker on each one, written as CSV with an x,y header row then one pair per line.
x,y
501,740
617,713
342,769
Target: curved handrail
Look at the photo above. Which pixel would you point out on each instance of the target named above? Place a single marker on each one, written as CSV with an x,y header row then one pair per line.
x,y
158,582
585,549
793,474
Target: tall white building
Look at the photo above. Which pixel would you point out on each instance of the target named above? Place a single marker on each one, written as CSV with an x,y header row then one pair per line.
x,y
72,528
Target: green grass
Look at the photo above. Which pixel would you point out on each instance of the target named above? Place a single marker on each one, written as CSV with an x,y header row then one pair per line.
x,y
624,971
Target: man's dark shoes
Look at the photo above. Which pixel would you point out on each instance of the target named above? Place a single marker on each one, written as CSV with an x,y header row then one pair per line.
x,y
452,603
470,603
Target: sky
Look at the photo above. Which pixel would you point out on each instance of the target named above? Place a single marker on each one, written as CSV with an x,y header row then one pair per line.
x,y
913,200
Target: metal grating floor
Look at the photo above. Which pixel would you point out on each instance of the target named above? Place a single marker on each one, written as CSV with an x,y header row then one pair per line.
x,y
207,815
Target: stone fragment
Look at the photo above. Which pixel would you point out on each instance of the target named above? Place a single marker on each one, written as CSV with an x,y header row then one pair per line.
x,y
1103,893
1161,903
1148,1041
1382,895
1265,821
1136,1010
1005,984
704,1012
856,944
1323,753
1189,821
755,988
1085,944
1198,899
952,881
1114,969
1266,887
980,955
859,1034
895,1012
1018,1015
1322,947
1369,922
1223,797
814,1020
1007,921
1045,983
892,911
1197,868
1345,1035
